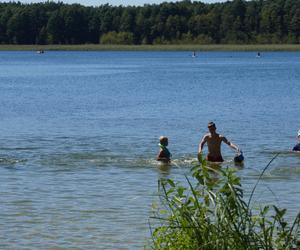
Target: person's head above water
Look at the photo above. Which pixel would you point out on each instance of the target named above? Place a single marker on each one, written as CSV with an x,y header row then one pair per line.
x,y
163,140
211,127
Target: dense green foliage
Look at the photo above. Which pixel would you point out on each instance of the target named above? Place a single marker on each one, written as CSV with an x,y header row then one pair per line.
x,y
210,212
186,22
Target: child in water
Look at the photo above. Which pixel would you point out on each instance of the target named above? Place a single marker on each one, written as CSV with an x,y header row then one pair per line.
x,y
164,154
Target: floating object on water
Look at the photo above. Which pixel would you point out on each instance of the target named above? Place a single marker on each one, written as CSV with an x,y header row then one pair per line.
x,y
194,54
239,158
296,148
40,51
258,55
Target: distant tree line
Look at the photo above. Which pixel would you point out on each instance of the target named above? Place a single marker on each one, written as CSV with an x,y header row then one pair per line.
x,y
186,22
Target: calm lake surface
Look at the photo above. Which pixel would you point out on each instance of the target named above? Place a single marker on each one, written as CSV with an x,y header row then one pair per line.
x,y
79,135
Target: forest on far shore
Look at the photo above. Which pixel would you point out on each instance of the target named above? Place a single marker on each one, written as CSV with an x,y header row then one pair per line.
x,y
182,22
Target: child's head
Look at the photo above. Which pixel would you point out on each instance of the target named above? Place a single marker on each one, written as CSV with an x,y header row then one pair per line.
x,y
163,140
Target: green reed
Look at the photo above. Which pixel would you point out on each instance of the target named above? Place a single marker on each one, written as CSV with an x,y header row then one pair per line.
x,y
211,212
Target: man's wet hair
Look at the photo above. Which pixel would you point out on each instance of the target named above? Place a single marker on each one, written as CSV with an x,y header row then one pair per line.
x,y
211,124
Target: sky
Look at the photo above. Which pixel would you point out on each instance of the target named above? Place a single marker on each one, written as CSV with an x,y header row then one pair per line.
x,y
111,2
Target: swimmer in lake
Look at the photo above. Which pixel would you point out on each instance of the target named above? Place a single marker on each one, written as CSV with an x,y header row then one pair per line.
x,y
214,140
164,154
297,147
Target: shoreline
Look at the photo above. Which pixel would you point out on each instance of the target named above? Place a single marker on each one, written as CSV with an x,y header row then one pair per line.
x,y
177,47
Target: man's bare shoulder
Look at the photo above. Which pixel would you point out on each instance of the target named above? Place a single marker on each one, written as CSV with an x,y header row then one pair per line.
x,y
206,136
223,138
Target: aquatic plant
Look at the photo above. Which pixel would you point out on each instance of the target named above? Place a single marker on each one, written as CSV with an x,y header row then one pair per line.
x,y
211,212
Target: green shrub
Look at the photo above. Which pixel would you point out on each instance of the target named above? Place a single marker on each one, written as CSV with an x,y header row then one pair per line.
x,y
113,37
212,213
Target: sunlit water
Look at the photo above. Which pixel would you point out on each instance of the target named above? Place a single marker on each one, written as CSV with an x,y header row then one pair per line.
x,y
79,135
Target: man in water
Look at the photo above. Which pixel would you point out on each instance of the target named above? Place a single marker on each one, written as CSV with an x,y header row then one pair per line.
x,y
214,140
297,147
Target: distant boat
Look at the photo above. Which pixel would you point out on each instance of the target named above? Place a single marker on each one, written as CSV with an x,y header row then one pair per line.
x,y
194,54
40,51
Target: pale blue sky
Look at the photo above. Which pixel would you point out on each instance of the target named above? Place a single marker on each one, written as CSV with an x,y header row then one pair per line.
x,y
112,2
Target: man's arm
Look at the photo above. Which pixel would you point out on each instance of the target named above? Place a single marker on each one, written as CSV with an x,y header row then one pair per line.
x,y
201,145
230,144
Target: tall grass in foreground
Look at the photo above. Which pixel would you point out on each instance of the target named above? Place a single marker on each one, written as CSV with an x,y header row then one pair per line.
x,y
212,213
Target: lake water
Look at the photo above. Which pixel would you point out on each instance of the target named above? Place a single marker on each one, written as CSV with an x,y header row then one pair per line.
x,y
79,135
